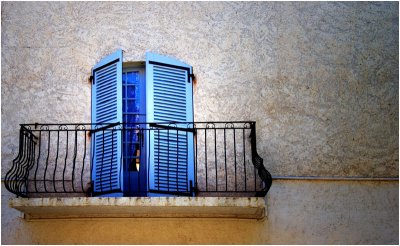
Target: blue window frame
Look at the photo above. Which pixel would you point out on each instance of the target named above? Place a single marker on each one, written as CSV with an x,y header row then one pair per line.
x,y
152,162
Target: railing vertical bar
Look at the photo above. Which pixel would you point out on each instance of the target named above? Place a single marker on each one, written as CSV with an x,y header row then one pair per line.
x,y
215,159
56,161
125,158
65,164
158,157
137,157
142,157
226,170
244,160
20,169
31,162
255,169
47,160
93,152
83,160
111,159
205,155
25,166
28,161
102,163
148,160
133,158
187,166
177,160
196,171
131,145
74,159
168,160
33,158
253,129
121,157
24,181
253,150
37,163
234,151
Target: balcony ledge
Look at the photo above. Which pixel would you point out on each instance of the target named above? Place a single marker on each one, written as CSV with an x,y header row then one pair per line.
x,y
140,207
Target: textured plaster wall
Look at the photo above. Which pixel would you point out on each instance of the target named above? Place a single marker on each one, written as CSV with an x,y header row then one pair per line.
x,y
299,212
320,79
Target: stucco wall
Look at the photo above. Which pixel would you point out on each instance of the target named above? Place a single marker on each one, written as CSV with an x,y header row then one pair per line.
x,y
320,79
299,212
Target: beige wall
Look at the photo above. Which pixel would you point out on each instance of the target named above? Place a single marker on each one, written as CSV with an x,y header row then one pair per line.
x,y
320,79
299,212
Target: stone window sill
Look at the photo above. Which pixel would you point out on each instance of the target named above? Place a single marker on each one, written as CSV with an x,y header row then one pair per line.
x,y
140,207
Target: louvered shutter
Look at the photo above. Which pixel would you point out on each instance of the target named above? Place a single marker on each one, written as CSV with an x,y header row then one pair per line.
x,y
107,109
169,99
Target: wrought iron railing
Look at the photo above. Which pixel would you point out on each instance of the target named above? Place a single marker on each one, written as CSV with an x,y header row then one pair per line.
x,y
57,160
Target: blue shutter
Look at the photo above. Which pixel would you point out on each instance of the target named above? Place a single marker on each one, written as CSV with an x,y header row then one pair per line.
x,y
169,98
107,109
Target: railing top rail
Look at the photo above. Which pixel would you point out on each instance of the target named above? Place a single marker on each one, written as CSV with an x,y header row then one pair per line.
x,y
139,123
103,126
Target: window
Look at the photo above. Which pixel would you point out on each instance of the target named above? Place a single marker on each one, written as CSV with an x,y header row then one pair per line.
x,y
159,93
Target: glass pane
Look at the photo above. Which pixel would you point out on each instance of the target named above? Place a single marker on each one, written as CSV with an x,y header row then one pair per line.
x,y
131,91
123,78
132,78
128,134
132,106
137,92
123,91
126,121
131,118
130,151
132,135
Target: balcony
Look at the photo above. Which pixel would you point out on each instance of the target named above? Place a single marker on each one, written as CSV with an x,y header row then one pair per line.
x,y
64,161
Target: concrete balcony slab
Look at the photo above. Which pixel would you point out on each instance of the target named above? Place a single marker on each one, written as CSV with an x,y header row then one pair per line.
x,y
140,207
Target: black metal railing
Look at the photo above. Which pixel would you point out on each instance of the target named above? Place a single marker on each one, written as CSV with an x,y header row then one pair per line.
x,y
58,160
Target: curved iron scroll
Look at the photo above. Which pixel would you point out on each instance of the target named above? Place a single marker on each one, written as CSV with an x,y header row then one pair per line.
x,y
258,163
16,179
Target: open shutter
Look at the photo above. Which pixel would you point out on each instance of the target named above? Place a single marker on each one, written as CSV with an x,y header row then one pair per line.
x,y
169,100
107,109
